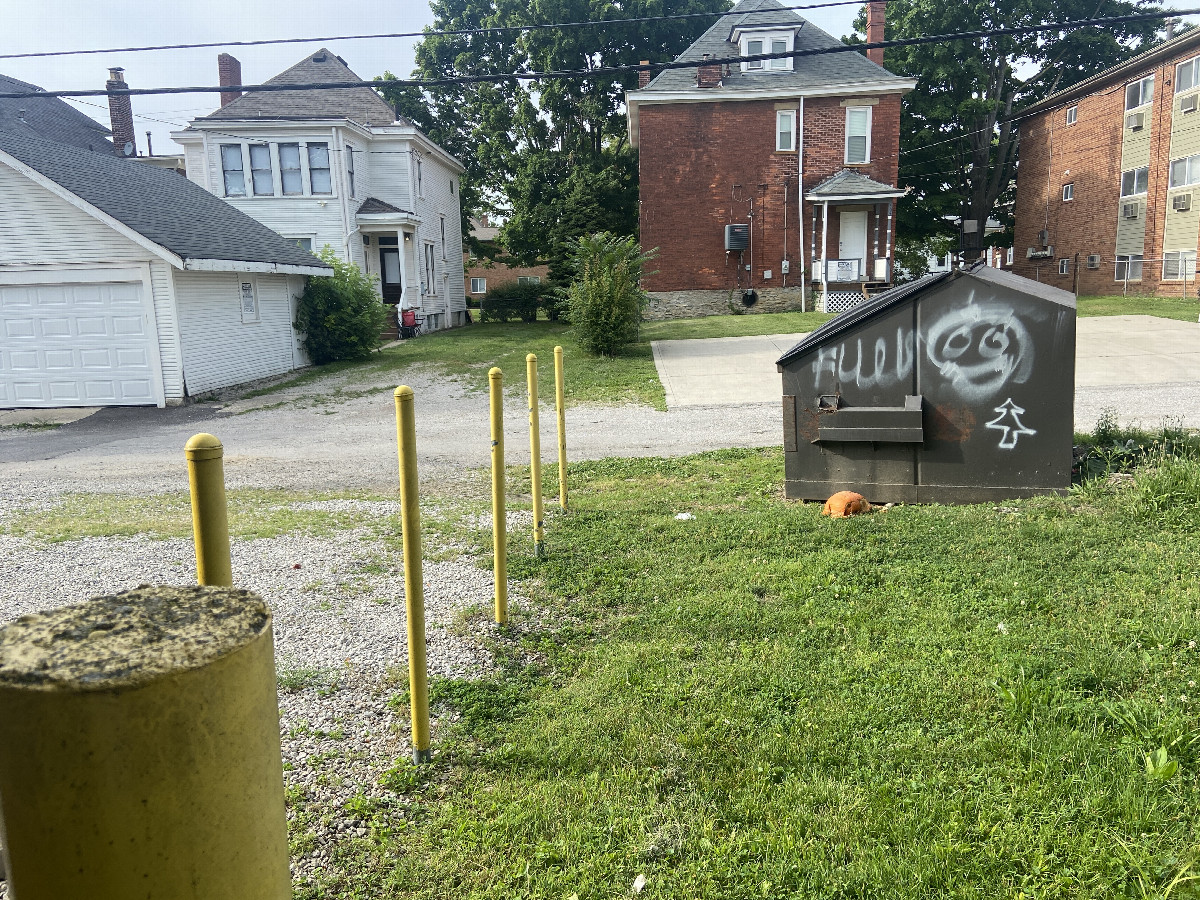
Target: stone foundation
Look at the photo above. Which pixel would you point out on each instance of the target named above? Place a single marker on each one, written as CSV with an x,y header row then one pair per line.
x,y
692,304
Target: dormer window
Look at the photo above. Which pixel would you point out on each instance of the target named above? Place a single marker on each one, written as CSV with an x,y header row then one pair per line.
x,y
758,43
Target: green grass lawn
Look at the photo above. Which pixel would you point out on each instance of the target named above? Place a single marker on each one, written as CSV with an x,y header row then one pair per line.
x,y
975,701
1186,309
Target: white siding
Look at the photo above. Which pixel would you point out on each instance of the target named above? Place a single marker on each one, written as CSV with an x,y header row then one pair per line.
x,y
168,329
437,201
389,172
193,160
218,348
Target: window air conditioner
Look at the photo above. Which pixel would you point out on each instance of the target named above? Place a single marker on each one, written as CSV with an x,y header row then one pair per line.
x,y
1129,210
1181,202
1093,261
1135,121
1188,104
1044,237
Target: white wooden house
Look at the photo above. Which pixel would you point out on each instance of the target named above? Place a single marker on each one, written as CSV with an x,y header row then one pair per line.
x,y
338,168
126,284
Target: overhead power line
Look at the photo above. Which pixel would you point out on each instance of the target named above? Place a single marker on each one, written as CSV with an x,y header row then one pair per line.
x,y
610,70
462,32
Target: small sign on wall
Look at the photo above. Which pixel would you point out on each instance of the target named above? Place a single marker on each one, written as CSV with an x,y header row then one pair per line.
x,y
249,302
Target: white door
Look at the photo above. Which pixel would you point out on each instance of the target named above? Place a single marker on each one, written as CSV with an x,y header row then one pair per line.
x,y
85,343
852,242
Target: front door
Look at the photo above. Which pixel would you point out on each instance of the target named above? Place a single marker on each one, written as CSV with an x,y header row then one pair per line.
x,y
390,283
853,238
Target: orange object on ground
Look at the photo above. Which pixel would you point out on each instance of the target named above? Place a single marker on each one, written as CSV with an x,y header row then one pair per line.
x,y
845,503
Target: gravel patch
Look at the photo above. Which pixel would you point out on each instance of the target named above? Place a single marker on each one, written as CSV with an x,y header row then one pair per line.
x,y
340,642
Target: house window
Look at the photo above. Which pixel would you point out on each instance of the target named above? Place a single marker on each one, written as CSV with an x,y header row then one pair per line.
x,y
529,279
231,165
451,187
754,48
779,46
1069,191
1135,181
1064,267
858,134
290,176
420,192
261,176
478,285
1139,93
249,302
1179,264
785,130
1008,257
443,224
304,243
1072,114
431,286
1185,171
350,168
1185,75
1129,267
318,169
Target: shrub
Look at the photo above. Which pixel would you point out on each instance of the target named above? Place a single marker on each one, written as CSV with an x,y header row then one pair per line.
x,y
341,316
519,301
605,301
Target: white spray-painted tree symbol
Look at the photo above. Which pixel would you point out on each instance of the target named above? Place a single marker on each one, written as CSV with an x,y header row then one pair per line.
x,y
1009,421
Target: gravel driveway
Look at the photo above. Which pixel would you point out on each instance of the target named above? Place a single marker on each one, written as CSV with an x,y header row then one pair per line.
x,y
338,601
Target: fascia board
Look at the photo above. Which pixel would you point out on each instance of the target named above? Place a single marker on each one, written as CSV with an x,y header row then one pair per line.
x,y
387,219
241,265
855,198
411,133
717,95
95,212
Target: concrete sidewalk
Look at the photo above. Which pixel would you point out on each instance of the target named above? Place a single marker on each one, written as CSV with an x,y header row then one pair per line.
x,y
1117,358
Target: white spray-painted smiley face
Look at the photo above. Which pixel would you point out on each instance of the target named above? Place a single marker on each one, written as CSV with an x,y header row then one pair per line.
x,y
979,348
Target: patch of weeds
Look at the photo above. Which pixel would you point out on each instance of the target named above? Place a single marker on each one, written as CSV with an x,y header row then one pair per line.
x,y
404,777
481,704
298,678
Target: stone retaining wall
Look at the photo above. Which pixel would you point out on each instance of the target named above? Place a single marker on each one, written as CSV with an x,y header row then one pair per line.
x,y
690,304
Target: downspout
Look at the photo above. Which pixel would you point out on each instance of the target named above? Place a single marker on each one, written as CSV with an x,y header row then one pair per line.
x,y
207,171
800,196
344,184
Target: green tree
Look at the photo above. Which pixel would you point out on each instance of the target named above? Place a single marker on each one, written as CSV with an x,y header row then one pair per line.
x,y
605,300
341,317
551,155
958,142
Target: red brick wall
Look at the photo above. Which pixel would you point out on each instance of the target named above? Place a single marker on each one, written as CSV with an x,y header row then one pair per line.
x,y
708,165
497,274
1088,154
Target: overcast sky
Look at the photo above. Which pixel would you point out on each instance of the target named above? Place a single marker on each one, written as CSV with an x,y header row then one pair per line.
x,y
44,25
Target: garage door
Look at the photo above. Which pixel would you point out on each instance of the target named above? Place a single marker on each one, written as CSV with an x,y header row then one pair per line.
x,y
86,343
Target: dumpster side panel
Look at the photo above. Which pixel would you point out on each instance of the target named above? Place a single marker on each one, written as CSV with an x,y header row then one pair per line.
x,y
997,370
873,365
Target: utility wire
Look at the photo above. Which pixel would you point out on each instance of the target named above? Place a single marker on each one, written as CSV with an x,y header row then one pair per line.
x,y
566,74
462,32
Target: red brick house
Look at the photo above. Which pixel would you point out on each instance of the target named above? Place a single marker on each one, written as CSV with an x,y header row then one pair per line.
x,y
483,275
1108,185
737,143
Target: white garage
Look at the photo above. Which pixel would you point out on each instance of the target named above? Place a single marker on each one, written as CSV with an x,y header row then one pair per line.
x,y
87,341
122,284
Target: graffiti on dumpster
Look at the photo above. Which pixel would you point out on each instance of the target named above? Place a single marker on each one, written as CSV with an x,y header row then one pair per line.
x,y
1009,421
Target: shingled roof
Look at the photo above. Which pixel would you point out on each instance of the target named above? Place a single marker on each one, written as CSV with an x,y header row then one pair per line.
x,y
158,204
851,184
359,104
49,118
836,68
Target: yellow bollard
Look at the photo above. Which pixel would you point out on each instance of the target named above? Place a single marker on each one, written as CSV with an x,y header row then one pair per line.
x,y
535,458
140,753
414,583
210,523
499,517
561,408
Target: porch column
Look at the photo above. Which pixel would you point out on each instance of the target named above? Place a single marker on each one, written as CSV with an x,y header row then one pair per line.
x,y
408,270
888,242
874,246
812,255
825,251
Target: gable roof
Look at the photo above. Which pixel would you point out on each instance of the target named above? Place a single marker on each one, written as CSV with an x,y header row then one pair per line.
x,y
833,68
359,104
850,184
374,206
49,118
160,205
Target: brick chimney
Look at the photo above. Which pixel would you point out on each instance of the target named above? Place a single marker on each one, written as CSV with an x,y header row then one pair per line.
x,y
643,74
709,75
229,73
876,14
120,115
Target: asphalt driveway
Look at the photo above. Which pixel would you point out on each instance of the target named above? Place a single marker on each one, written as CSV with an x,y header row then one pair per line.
x,y
1145,368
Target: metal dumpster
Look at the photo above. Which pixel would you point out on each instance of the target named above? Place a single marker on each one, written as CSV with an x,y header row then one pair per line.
x,y
956,388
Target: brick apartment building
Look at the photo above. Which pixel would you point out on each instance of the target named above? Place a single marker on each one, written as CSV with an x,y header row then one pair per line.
x,y
1108,186
484,275
737,143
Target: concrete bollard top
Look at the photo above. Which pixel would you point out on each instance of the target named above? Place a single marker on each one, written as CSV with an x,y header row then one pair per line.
x,y
128,639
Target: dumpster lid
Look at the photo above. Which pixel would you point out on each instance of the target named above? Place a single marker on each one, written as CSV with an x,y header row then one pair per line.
x,y
863,311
